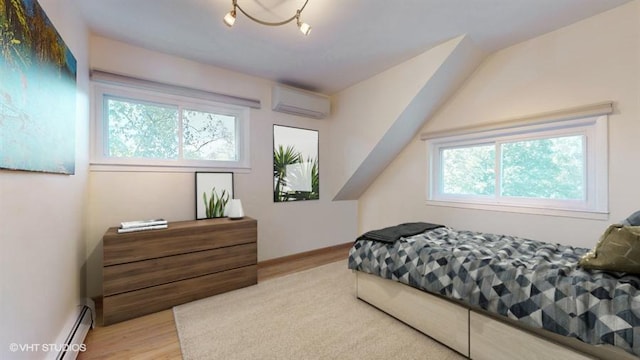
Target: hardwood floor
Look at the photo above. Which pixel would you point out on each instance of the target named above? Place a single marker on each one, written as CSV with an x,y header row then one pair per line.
x,y
155,336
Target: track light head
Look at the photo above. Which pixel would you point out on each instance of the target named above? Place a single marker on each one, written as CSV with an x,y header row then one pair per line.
x,y
303,26
230,18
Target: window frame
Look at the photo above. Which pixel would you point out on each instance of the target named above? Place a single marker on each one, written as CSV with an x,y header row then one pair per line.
x,y
100,159
595,204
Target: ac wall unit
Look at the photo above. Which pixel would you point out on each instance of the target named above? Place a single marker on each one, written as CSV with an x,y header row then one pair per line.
x,y
299,102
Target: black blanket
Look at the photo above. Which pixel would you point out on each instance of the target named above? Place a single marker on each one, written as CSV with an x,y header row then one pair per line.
x,y
394,233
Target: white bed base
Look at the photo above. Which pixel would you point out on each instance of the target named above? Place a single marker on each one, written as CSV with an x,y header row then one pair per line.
x,y
474,333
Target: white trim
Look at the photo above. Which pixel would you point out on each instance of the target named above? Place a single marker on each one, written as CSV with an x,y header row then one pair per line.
x,y
98,167
591,215
98,133
144,84
592,110
595,204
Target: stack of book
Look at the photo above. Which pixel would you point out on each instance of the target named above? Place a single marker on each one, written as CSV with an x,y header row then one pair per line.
x,y
141,225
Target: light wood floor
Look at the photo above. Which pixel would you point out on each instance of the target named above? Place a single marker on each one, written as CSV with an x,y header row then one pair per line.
x,y
155,336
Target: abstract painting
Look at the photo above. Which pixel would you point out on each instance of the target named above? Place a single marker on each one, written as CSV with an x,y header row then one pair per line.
x,y
37,92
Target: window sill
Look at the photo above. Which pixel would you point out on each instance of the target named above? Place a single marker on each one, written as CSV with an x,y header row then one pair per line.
x,y
579,214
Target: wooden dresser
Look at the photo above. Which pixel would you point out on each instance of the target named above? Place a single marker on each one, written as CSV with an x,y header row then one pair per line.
x,y
153,270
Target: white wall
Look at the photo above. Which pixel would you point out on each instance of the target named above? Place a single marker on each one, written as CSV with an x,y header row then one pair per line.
x,y
283,228
366,112
591,61
41,225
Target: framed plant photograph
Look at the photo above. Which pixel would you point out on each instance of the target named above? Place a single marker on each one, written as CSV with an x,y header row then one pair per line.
x,y
213,192
296,171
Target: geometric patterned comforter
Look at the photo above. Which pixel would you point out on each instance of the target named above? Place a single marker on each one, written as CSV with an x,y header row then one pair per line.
x,y
530,281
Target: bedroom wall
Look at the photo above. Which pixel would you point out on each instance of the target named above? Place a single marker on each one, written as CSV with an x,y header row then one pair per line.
x,y
283,228
590,61
377,117
365,111
41,225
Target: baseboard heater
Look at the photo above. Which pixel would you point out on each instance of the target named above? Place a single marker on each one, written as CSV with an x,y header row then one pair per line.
x,y
74,343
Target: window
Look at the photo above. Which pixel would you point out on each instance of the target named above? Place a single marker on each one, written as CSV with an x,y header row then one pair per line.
x,y
146,128
559,165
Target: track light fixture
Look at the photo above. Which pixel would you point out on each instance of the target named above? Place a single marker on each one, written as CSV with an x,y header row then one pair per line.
x,y
230,18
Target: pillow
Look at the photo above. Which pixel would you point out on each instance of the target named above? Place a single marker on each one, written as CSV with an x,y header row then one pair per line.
x,y
617,250
633,219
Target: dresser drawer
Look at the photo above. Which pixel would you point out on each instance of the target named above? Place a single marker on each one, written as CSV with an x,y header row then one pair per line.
x,y
149,300
141,274
179,238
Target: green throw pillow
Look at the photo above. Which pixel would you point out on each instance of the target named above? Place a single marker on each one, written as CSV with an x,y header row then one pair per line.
x,y
617,250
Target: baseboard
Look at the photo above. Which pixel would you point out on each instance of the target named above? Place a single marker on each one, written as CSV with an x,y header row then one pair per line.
x,y
70,341
304,255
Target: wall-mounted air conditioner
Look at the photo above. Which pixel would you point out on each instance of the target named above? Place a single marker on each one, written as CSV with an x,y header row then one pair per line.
x,y
299,102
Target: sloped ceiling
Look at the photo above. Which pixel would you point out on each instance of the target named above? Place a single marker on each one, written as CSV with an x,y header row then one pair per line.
x,y
350,41
393,107
389,64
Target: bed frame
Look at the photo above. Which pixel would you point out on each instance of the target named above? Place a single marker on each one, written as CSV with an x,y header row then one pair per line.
x,y
473,332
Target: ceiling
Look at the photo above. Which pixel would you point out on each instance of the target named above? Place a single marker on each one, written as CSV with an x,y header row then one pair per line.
x,y
351,40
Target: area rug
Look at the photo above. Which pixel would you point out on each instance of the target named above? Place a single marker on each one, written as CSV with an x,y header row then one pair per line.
x,y
312,314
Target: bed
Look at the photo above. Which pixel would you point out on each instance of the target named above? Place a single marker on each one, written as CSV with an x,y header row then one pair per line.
x,y
493,296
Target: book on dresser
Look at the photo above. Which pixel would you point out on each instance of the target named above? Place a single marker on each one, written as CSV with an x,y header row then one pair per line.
x,y
149,271
141,225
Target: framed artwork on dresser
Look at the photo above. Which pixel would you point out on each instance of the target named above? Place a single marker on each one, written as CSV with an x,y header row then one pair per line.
x,y
213,192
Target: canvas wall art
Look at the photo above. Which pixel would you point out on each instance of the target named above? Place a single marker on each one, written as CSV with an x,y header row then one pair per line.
x,y
37,92
296,172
